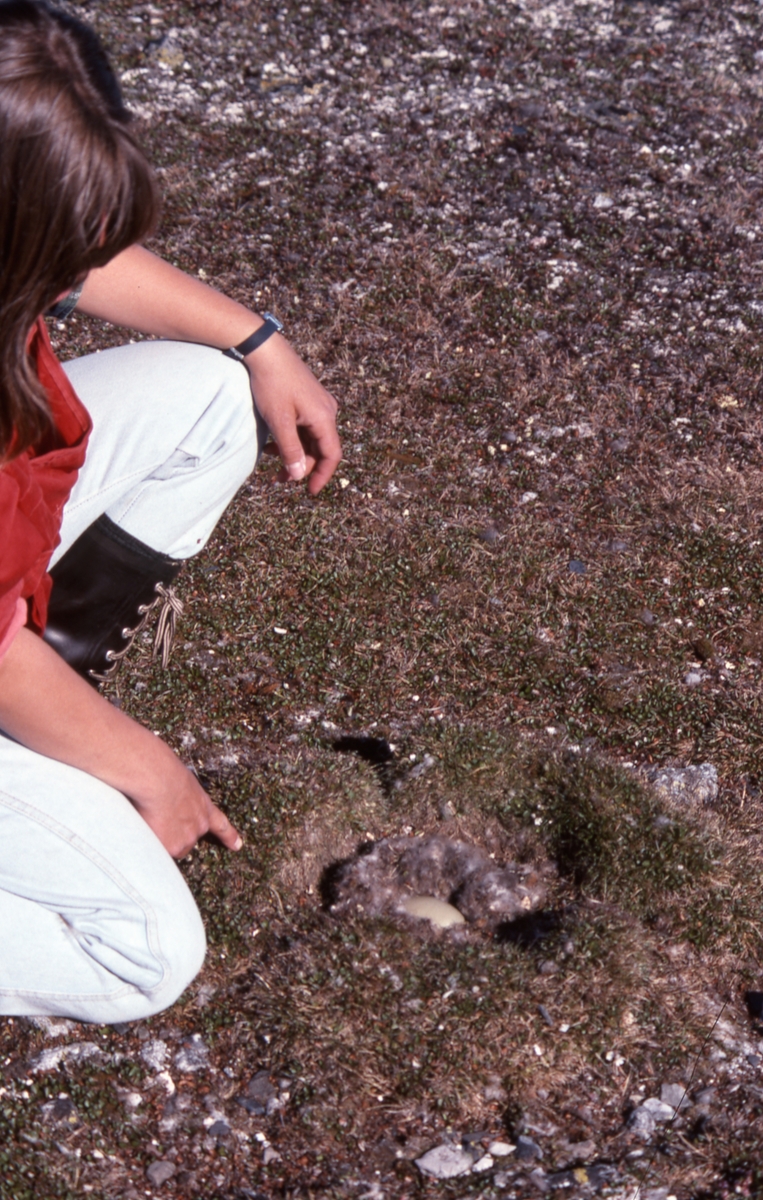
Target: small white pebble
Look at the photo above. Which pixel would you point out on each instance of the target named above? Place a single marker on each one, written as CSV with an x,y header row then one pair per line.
x,y
344,483
500,1149
484,1163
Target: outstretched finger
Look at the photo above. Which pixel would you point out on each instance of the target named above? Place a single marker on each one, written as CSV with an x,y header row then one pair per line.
x,y
220,826
327,459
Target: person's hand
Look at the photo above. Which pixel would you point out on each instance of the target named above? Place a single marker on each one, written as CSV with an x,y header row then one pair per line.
x,y
180,812
78,726
299,412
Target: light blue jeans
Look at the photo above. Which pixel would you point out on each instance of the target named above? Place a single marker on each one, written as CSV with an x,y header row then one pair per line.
x,y
96,921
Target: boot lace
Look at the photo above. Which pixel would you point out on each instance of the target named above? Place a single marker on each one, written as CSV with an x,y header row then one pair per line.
x,y
170,608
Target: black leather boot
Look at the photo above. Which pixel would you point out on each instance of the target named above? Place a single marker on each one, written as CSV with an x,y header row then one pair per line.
x,y
105,589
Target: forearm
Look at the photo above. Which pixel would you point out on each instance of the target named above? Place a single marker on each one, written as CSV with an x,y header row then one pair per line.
x,y
75,725
143,292
46,706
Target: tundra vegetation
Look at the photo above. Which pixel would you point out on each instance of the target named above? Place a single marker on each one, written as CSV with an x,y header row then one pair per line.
x,y
521,243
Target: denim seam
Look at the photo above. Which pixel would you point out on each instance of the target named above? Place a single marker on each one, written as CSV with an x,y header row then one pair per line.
x,y
81,846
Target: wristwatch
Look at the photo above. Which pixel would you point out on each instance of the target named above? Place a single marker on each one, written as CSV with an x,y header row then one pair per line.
x,y
271,325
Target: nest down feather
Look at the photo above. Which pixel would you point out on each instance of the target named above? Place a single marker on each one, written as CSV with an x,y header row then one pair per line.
x,y
381,875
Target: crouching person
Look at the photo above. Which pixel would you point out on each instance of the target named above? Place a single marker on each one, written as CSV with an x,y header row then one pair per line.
x,y
114,469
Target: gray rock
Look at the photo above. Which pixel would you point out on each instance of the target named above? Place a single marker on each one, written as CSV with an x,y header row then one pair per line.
x,y
693,679
160,1171
501,1149
685,785
540,1180
527,1149
483,1164
61,1112
270,1155
219,1129
260,1089
675,1095
641,1123
445,1162
659,1110
705,1095
193,1056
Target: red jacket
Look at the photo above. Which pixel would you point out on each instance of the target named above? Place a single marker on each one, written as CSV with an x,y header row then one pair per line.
x,y
34,488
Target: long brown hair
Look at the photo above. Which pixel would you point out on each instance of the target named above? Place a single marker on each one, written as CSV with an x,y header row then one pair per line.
x,y
75,189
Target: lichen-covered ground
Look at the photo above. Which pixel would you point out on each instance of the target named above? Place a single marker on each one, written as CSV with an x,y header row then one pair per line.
x,y
521,243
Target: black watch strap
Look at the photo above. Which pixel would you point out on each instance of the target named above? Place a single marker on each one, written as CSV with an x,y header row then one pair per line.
x,y
270,326
64,308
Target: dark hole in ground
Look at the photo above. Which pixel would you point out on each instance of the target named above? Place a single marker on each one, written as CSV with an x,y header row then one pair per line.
x,y
754,1002
528,930
374,750
327,885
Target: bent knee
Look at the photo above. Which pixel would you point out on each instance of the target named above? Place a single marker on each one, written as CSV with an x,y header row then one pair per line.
x,y
150,974
182,949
